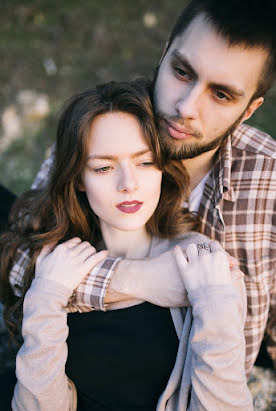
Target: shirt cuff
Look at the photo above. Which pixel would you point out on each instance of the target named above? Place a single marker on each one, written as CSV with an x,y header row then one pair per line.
x,y
91,292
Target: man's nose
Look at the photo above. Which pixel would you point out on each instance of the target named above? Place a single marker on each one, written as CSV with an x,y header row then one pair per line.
x,y
187,105
128,180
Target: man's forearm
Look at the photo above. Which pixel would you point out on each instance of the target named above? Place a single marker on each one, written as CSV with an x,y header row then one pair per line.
x,y
156,280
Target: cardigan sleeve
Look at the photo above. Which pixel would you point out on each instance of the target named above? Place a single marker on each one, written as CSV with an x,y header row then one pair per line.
x,y
40,363
217,345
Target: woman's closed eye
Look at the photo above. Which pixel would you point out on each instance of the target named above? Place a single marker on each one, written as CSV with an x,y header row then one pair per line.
x,y
104,169
146,163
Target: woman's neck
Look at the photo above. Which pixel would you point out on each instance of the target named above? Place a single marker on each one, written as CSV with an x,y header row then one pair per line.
x,y
129,244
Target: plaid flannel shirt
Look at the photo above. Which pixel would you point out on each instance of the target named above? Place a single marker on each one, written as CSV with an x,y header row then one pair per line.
x,y
237,209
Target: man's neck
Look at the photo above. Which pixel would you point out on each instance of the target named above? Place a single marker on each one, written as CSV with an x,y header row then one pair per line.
x,y
199,166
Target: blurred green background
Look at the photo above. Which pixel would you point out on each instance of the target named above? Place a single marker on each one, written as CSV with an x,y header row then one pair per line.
x,y
52,49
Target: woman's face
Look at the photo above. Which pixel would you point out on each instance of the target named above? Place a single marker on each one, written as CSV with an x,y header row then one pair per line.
x,y
121,180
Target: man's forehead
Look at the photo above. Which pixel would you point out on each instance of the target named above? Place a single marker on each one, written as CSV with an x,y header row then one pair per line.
x,y
201,30
213,60
198,27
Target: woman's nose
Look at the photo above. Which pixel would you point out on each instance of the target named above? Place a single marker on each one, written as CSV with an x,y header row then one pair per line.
x,y
127,179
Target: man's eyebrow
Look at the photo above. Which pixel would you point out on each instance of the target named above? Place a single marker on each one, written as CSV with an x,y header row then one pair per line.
x,y
111,157
184,61
230,89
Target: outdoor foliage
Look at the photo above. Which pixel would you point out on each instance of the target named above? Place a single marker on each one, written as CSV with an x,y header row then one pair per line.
x,y
53,49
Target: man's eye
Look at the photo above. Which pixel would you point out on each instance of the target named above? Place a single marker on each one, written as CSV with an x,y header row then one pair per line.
x,y
221,96
182,73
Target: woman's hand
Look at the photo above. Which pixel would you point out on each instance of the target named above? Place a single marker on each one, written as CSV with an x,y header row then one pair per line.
x,y
202,267
68,263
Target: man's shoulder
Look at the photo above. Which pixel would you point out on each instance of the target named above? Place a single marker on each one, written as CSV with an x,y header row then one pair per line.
x,y
253,142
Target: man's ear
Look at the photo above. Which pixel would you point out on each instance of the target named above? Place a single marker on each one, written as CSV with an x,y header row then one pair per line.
x,y
252,108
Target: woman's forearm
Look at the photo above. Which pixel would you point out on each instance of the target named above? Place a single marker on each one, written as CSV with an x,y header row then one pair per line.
x,y
218,349
216,352
40,364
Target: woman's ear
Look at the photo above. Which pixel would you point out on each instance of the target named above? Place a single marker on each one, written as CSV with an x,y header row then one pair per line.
x,y
80,185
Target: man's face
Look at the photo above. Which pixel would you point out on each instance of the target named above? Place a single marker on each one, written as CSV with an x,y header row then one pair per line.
x,y
203,89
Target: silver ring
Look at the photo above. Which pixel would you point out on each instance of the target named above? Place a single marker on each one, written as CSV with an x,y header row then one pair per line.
x,y
203,246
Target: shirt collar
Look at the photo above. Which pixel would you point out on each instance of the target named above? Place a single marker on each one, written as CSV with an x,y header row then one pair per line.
x,y
221,174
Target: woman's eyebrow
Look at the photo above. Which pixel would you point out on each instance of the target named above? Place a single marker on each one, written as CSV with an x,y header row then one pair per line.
x,y
111,157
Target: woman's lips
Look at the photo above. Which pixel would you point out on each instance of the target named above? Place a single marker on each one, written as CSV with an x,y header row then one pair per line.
x,y
130,206
177,131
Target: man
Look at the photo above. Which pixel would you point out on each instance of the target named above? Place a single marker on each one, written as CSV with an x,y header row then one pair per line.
x,y
217,66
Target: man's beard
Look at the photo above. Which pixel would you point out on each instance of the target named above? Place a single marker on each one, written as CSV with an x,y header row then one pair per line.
x,y
180,149
176,149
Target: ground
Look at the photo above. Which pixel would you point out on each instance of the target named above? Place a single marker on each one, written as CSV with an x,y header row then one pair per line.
x,y
53,49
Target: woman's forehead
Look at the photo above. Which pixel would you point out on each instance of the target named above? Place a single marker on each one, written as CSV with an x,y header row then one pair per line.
x,y
116,133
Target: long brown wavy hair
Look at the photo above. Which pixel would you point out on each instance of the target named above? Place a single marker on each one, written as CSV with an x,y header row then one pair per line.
x,y
61,211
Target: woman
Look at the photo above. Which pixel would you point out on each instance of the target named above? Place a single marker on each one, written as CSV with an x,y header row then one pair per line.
x,y
111,187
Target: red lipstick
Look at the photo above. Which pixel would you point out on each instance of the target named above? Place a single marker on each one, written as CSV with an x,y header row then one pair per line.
x,y
130,206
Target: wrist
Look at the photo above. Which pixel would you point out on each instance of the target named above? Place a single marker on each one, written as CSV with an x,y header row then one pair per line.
x,y
126,281
47,292
155,280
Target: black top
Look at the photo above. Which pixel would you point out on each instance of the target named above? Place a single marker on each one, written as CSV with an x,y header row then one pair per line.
x,y
121,359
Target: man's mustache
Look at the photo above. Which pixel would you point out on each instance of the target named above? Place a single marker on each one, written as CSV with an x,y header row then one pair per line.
x,y
179,121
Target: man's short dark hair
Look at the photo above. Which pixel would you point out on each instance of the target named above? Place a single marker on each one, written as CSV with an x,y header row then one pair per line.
x,y
246,22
